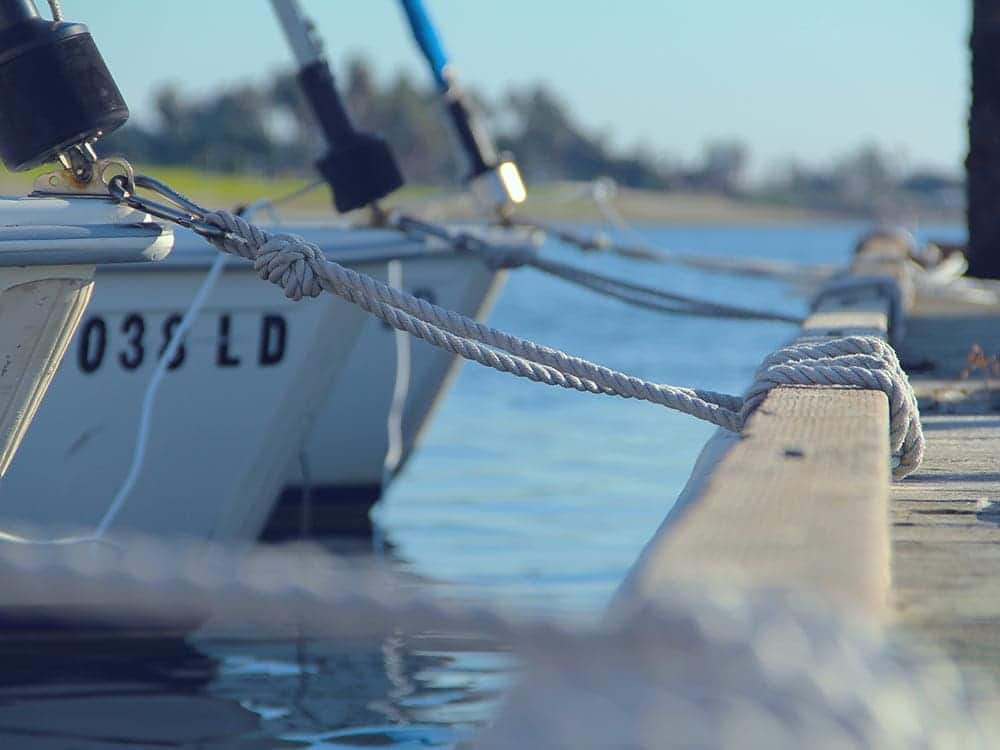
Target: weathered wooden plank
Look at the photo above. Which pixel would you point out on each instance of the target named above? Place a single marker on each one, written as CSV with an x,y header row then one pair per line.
x,y
946,518
866,318
799,499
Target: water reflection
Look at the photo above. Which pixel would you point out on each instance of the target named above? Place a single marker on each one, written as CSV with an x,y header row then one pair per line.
x,y
424,690
97,692
214,690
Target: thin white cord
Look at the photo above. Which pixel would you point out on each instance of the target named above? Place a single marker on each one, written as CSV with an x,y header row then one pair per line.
x,y
305,514
153,389
394,420
264,204
145,419
400,388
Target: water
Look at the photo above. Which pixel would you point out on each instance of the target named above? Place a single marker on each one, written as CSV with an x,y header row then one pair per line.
x,y
521,494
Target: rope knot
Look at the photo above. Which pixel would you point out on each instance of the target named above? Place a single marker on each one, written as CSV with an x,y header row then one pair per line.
x,y
239,237
864,362
853,362
290,262
283,259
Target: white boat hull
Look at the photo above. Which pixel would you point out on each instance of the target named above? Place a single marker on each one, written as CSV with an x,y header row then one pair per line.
x,y
49,248
343,471
229,418
39,313
263,382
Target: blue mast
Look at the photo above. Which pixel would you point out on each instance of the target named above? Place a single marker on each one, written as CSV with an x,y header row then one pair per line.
x,y
494,179
428,40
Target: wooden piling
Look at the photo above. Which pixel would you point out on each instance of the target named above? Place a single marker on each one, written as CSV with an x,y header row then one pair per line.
x,y
983,160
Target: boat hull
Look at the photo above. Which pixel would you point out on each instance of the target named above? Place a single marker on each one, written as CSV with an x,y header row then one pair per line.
x,y
344,468
49,247
264,387
231,414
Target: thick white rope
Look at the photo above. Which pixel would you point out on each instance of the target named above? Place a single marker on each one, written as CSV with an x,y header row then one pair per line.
x,y
302,270
864,362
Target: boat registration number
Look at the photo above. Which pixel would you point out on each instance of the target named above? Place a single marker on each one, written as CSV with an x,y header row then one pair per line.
x,y
131,341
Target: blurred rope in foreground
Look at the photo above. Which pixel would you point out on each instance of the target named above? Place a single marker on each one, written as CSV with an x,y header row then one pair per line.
x,y
704,667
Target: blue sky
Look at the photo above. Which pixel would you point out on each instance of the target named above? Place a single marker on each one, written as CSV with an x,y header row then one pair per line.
x,y
793,78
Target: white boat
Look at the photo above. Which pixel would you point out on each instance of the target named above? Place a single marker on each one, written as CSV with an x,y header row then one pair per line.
x,y
260,380
49,248
345,458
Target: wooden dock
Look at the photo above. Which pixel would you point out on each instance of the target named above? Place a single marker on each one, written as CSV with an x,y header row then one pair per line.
x,y
802,502
945,519
803,498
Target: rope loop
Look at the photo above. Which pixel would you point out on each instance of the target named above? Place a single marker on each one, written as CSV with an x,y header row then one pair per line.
x,y
292,264
864,362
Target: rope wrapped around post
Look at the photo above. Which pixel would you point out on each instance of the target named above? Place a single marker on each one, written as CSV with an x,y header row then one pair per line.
x,y
865,362
301,269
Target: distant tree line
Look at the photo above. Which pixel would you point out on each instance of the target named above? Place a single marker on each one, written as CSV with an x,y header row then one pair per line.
x,y
865,181
267,128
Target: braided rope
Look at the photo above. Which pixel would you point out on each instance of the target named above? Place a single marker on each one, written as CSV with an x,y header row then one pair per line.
x,y
301,269
864,362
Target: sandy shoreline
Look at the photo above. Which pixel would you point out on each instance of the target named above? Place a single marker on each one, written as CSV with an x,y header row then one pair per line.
x,y
557,201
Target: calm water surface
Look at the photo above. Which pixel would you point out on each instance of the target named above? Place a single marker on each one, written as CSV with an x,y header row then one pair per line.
x,y
521,495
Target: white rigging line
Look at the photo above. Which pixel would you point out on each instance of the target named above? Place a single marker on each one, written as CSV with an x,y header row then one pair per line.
x,y
400,388
153,390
